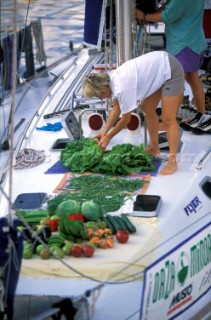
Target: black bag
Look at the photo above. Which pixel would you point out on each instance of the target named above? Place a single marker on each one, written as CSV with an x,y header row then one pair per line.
x,y
147,6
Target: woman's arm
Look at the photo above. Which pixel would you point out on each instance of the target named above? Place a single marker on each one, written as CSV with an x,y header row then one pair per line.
x,y
149,17
108,132
113,116
168,13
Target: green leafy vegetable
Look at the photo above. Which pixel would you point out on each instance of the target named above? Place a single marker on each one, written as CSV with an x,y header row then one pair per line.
x,y
86,155
81,155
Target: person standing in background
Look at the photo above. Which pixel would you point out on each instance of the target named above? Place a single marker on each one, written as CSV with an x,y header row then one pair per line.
x,y
185,40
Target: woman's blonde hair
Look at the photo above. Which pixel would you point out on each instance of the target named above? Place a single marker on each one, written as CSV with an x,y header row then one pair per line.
x,y
93,84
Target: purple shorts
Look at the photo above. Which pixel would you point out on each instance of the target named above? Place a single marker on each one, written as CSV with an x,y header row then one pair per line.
x,y
190,60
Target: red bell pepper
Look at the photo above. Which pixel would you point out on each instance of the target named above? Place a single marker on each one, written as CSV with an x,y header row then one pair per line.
x,y
53,224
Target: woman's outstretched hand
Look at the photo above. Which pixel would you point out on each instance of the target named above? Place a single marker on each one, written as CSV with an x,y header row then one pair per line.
x,y
103,140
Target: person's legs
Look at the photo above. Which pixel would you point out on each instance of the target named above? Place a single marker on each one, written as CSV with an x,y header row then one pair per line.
x,y
194,81
149,106
191,63
170,107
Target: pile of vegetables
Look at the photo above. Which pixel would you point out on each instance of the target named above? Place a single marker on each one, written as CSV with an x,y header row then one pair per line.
x,y
109,192
86,155
76,229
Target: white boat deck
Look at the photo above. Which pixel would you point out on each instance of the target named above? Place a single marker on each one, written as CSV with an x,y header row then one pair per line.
x,y
174,223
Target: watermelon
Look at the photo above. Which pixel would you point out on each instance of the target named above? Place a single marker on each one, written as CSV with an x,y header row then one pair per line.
x,y
91,210
68,207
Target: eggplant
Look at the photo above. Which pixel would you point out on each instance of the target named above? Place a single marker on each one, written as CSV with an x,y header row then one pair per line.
x,y
37,236
46,232
27,235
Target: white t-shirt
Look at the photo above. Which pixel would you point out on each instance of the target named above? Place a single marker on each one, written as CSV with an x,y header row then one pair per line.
x,y
138,78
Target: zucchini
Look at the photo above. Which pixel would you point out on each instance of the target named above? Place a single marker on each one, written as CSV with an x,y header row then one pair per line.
x,y
130,226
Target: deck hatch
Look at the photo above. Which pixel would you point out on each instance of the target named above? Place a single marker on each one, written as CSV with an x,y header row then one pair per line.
x,y
205,185
30,201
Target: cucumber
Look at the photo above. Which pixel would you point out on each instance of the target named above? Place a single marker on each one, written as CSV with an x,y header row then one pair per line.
x,y
120,222
109,224
114,223
32,216
35,213
32,219
130,226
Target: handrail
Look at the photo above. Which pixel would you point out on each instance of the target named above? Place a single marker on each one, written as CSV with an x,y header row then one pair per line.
x,y
201,161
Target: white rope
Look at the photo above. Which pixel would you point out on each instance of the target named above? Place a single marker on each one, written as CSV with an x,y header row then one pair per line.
x,y
29,158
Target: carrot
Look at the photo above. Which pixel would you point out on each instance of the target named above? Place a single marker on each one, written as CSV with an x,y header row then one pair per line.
x,y
94,240
95,234
100,232
89,232
108,231
103,244
110,243
110,236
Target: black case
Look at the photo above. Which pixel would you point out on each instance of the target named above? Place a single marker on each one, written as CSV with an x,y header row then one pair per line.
x,y
146,206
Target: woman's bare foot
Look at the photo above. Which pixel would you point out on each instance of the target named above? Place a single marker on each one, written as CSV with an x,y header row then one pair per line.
x,y
152,151
170,168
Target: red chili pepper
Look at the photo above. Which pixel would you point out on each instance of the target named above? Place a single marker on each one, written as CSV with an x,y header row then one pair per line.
x,y
76,216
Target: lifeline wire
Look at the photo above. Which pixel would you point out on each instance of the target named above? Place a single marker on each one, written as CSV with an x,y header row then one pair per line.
x,y
12,112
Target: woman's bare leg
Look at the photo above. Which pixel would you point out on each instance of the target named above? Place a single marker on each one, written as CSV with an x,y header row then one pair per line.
x,y
149,106
170,107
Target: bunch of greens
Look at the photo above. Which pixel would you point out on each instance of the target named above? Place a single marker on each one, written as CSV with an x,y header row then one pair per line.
x,y
123,159
109,192
86,155
81,155
92,183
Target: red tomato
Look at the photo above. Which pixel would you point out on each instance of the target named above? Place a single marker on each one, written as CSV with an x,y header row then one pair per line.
x,y
122,236
88,250
76,251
